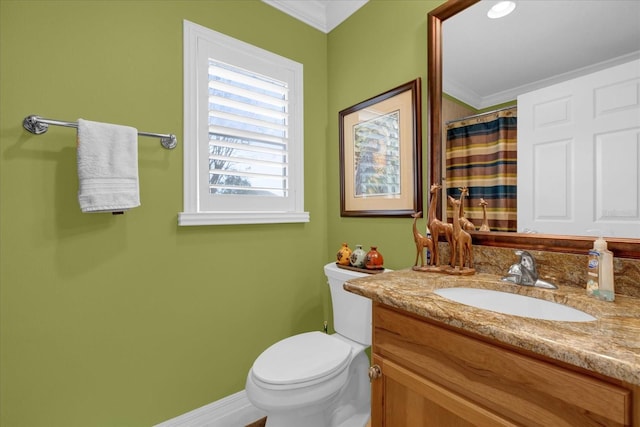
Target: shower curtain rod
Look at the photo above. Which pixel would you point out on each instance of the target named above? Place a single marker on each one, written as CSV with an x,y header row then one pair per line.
x,y
39,125
473,116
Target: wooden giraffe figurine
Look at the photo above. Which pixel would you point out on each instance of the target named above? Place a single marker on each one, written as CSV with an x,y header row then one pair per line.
x,y
464,222
485,223
437,227
461,251
421,241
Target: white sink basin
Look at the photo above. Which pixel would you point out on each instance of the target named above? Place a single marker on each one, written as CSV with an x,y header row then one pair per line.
x,y
514,304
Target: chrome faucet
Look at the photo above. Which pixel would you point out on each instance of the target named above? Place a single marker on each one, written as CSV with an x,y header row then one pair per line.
x,y
525,272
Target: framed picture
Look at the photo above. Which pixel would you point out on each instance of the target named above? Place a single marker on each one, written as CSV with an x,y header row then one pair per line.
x,y
381,154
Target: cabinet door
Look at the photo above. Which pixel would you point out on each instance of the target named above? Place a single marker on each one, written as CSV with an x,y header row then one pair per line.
x,y
401,398
519,388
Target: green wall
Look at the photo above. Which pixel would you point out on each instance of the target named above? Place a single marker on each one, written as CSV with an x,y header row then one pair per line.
x,y
131,320
382,46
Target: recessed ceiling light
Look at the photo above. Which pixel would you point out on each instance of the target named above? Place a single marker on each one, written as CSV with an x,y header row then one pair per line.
x,y
501,9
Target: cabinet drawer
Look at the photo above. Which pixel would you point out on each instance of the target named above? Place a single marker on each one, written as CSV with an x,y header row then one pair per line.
x,y
526,390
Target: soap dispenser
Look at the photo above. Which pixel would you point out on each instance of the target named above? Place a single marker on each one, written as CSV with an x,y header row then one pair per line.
x,y
605,290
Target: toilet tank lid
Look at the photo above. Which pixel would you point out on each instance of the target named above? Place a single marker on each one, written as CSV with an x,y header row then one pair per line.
x,y
332,270
302,358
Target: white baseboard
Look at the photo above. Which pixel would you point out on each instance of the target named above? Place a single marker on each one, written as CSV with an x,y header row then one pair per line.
x,y
231,411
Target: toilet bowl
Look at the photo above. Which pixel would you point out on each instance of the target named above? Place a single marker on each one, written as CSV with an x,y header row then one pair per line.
x,y
314,379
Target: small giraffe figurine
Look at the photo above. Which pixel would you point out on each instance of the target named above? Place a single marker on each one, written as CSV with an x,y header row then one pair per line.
x,y
421,241
461,251
464,222
437,227
485,223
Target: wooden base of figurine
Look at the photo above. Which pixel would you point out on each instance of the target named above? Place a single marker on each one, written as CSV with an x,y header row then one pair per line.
x,y
446,269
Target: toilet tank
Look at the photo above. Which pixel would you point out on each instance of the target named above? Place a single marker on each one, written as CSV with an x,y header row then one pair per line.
x,y
351,312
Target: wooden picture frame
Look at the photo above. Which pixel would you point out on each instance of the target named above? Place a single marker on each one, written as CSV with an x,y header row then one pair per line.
x,y
381,154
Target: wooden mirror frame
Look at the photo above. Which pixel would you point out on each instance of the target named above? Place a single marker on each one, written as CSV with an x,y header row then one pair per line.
x,y
621,247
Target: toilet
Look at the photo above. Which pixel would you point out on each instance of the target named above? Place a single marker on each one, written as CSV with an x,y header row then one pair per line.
x,y
314,379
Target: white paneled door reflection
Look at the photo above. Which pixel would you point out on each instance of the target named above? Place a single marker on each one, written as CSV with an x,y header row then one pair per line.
x,y
579,155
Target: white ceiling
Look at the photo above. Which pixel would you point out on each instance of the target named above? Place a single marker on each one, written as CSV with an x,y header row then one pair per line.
x,y
490,61
487,61
323,15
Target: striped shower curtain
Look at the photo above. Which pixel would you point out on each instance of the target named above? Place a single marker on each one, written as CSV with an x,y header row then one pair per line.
x,y
481,155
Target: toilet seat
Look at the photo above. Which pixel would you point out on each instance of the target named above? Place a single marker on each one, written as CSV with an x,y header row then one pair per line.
x,y
301,360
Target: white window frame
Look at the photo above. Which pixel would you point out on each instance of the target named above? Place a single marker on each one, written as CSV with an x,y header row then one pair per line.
x,y
199,42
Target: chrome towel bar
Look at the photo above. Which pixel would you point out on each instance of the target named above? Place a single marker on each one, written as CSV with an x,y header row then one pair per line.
x,y
39,125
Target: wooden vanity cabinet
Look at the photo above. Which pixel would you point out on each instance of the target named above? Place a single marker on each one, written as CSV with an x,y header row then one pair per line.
x,y
435,376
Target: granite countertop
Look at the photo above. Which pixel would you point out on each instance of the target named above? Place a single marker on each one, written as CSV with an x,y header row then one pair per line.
x,y
609,346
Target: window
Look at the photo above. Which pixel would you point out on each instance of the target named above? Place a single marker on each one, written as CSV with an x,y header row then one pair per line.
x,y
243,133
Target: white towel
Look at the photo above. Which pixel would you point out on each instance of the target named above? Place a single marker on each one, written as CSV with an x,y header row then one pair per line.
x,y
107,167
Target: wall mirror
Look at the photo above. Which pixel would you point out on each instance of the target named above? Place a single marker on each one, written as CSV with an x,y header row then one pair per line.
x,y
622,247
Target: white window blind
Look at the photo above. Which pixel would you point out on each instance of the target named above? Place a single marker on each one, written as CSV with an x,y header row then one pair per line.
x,y
248,142
243,133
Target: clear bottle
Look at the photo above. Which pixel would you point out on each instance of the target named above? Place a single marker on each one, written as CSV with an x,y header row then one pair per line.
x,y
606,289
592,272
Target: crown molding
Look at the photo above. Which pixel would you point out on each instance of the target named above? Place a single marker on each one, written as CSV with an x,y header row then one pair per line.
x,y
323,15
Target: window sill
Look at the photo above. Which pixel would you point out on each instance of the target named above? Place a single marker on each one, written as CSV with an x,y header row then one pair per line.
x,y
231,218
